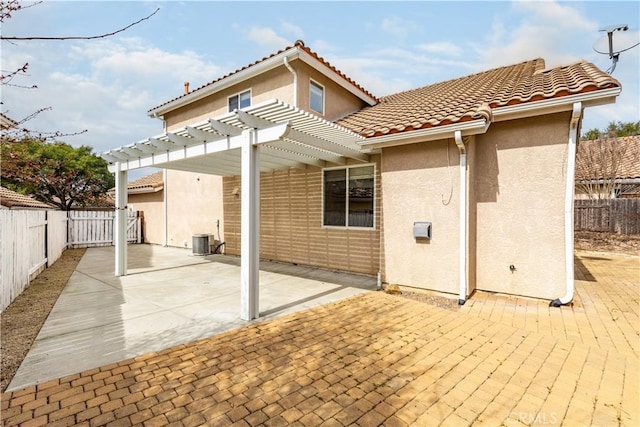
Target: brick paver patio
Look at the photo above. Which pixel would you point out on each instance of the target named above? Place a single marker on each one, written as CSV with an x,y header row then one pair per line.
x,y
377,359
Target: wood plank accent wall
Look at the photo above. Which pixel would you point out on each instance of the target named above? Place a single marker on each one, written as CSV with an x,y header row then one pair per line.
x,y
291,224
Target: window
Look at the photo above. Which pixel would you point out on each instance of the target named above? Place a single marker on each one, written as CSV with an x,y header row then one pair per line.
x,y
240,100
348,197
316,97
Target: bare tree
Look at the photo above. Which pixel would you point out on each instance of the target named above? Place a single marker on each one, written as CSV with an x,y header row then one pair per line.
x,y
600,163
20,130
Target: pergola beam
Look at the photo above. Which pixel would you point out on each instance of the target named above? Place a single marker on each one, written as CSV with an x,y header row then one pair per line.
x,y
224,129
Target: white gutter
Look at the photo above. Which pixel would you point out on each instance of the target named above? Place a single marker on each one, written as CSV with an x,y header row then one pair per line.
x,y
432,134
555,105
576,115
462,256
165,209
295,81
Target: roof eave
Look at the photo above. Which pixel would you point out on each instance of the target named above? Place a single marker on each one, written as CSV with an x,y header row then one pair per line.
x,y
344,83
473,127
555,105
231,80
145,190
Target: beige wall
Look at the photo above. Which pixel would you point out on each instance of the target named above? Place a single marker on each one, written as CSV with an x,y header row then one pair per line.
x,y
276,83
516,210
194,205
519,187
419,183
151,204
338,101
291,224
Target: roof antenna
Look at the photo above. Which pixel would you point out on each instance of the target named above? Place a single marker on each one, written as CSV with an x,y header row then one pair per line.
x,y
611,46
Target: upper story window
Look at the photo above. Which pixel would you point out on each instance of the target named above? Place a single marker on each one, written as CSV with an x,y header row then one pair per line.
x,y
316,97
348,196
239,100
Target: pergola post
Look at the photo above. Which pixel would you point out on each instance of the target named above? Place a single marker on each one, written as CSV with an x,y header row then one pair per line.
x,y
120,228
250,227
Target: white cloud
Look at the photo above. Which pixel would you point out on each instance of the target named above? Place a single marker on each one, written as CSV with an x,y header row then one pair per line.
x,y
441,48
534,29
105,87
399,27
292,29
265,36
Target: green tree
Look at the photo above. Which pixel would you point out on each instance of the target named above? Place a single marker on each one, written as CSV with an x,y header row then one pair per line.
x,y
615,129
54,172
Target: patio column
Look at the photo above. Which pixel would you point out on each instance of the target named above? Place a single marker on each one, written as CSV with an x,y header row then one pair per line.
x,y
120,227
250,227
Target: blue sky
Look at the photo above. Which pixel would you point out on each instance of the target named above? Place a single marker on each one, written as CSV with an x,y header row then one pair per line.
x,y
108,85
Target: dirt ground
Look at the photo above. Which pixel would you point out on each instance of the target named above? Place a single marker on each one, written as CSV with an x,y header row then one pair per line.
x,y
22,320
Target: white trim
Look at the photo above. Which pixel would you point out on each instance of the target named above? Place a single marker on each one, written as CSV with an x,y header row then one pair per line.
x,y
555,105
349,227
431,134
145,190
344,83
312,82
238,95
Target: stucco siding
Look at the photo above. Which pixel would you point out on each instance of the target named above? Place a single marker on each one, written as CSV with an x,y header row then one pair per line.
x,y
151,204
291,227
337,101
519,190
195,204
276,83
420,182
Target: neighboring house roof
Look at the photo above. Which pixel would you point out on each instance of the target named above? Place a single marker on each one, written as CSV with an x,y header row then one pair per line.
x,y
150,183
146,184
11,199
472,97
593,161
7,122
297,46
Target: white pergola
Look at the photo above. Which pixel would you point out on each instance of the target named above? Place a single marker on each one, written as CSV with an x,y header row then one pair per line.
x,y
264,137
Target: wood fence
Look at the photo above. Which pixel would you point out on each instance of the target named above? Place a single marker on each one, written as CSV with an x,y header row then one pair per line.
x,y
621,216
95,228
30,240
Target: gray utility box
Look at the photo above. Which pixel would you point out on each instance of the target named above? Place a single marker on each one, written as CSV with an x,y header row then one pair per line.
x,y
422,230
201,244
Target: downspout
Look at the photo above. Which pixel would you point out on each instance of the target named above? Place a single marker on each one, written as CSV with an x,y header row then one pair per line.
x,y
295,81
165,204
165,207
576,115
462,297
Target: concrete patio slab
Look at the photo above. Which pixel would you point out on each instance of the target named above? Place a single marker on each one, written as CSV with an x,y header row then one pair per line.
x,y
169,297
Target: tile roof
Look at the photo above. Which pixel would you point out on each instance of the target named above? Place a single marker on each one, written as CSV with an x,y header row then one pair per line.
x,y
152,181
471,97
298,44
11,199
7,122
597,159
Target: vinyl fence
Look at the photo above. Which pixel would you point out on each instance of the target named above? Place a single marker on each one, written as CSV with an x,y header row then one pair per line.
x,y
621,216
95,228
30,240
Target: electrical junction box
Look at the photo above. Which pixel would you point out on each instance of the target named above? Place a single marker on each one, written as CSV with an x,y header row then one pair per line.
x,y
422,230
